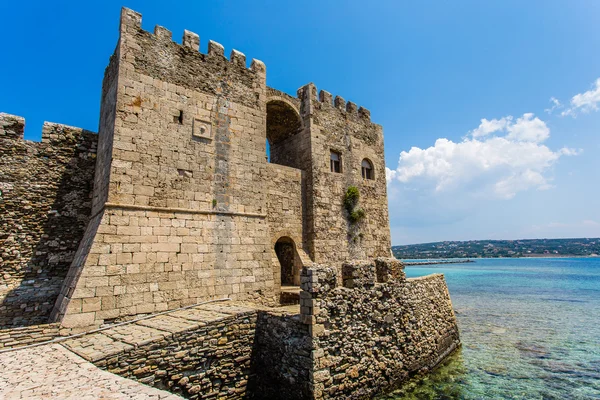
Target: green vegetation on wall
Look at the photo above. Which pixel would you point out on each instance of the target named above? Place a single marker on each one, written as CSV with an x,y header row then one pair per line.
x,y
355,213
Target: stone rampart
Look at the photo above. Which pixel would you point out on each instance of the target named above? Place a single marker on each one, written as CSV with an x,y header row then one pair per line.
x,y
372,334
45,204
355,341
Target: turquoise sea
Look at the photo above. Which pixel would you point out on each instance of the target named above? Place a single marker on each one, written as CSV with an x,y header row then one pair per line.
x,y
530,329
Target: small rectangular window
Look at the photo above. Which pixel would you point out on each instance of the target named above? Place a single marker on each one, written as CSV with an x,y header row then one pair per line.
x,y
335,162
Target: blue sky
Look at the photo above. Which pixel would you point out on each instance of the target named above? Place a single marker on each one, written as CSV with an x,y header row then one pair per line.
x,y
427,70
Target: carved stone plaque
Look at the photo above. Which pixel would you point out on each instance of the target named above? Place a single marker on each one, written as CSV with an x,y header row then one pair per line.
x,y
202,129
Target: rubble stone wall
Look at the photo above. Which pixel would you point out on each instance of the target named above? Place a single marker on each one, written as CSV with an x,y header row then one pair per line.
x,y
27,335
281,362
45,205
368,337
208,362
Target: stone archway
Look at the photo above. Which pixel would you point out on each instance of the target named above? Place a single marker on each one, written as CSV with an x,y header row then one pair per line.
x,y
289,261
283,126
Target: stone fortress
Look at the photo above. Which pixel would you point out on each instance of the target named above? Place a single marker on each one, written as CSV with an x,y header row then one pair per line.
x,y
177,202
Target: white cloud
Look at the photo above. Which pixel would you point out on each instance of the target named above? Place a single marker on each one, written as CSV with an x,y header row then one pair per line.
x,y
486,127
566,151
528,129
482,165
584,102
555,105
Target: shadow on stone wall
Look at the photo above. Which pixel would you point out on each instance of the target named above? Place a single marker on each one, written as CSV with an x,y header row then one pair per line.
x,y
45,205
280,361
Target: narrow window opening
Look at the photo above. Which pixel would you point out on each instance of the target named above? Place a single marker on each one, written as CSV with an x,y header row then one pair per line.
x,y
178,118
367,169
335,162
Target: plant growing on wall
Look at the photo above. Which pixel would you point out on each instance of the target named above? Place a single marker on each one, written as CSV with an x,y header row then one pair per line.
x,y
355,213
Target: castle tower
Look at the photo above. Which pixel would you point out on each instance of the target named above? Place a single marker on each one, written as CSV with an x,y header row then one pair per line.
x,y
186,206
179,211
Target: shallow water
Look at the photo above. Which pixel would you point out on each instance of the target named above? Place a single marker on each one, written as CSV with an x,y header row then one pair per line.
x,y
530,329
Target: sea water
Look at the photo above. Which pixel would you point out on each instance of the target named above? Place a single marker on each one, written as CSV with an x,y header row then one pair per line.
x,y
530,329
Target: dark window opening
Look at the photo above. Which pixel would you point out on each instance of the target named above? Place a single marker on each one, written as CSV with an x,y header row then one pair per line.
x,y
367,169
178,118
335,162
285,255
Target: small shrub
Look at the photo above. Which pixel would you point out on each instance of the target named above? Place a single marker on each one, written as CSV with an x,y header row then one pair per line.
x,y
356,215
351,198
350,201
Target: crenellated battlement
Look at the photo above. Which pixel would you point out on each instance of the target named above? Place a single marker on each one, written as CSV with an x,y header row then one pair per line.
x,y
11,126
64,135
53,134
326,100
131,23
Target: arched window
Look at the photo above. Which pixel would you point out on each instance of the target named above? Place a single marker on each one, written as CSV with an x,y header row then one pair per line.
x,y
367,169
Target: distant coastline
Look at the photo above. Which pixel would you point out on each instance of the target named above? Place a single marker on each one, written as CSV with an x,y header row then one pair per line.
x,y
526,248
429,262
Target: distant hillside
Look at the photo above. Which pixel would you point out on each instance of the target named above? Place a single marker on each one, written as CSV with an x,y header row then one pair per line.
x,y
500,248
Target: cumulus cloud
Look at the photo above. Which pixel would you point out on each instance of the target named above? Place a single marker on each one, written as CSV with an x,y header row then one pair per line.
x,y
486,127
584,102
499,159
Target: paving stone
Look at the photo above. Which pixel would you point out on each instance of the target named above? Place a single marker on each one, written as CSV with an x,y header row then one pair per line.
x,y
202,316
95,346
135,334
169,324
226,308
53,372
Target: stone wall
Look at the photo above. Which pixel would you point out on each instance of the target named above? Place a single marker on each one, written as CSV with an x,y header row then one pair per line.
x,y
281,362
218,350
368,337
152,261
285,215
210,360
45,204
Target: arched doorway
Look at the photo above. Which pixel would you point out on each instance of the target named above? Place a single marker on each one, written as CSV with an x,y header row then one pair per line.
x,y
283,141
289,261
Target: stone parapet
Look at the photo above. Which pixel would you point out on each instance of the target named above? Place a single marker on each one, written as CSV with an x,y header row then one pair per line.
x,y
11,126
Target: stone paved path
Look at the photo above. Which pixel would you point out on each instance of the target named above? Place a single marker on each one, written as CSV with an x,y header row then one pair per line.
x,y
65,370
53,372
